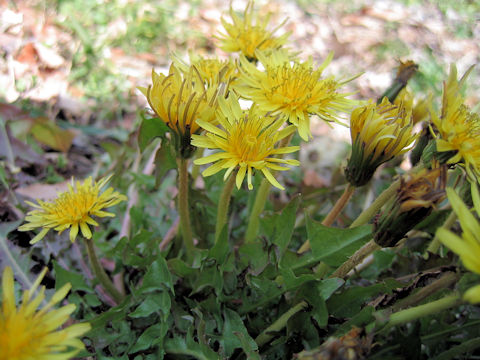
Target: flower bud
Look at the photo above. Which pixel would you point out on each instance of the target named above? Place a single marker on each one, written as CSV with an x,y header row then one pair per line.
x,y
379,132
179,100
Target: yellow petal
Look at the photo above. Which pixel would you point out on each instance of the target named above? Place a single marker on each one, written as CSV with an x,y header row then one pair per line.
x,y
73,232
271,179
87,234
472,295
240,176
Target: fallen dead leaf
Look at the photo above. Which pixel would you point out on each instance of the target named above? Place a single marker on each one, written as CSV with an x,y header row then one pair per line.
x,y
43,192
19,149
47,132
27,54
49,57
11,112
11,22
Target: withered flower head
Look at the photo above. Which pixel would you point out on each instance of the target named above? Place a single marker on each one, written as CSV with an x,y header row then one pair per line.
x,y
417,196
356,344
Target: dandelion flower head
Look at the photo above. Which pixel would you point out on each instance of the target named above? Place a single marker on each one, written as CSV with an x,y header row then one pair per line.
x,y
458,127
27,333
212,70
420,107
73,209
293,89
180,99
250,33
246,140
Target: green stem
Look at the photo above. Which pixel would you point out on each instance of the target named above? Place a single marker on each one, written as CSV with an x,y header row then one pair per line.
x,y
460,351
183,207
101,274
434,307
196,168
258,206
321,270
355,259
373,209
435,244
333,214
339,205
443,282
279,324
449,331
260,201
223,204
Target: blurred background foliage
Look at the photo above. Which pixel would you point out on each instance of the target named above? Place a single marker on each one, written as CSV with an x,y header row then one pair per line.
x,y
69,107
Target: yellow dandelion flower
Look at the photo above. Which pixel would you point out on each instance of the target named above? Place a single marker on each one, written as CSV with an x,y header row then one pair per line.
x,y
467,246
212,70
293,89
379,132
180,100
404,98
27,334
72,209
458,128
250,33
246,141
420,107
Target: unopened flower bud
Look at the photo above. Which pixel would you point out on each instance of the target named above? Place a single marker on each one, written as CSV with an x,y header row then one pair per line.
x,y
379,132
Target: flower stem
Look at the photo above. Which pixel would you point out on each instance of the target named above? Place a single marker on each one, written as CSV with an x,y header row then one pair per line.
x,y
258,206
100,272
279,324
223,203
443,282
461,349
260,200
355,259
183,208
196,168
373,209
434,307
333,214
339,205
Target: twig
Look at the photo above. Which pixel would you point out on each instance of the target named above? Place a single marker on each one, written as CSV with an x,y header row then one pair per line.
x,y
170,235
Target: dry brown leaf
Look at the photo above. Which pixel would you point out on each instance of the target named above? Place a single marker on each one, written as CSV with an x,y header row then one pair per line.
x,y
48,133
48,57
45,192
27,54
